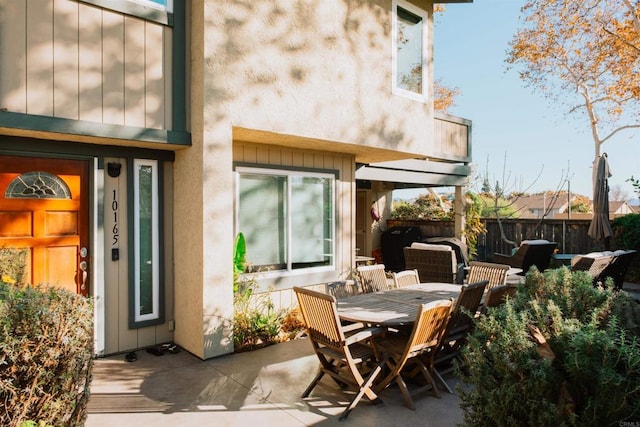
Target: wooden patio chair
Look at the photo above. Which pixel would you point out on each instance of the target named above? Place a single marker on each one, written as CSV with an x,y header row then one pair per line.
x,y
405,278
494,274
498,295
400,350
341,289
434,263
458,328
529,253
341,357
373,278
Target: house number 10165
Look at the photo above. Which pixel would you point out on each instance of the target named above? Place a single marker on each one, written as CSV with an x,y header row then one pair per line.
x,y
114,210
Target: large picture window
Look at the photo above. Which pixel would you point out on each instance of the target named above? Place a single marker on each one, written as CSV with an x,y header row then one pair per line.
x,y
287,218
409,42
146,241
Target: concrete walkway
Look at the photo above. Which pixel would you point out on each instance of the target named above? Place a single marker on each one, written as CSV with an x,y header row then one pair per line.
x,y
257,388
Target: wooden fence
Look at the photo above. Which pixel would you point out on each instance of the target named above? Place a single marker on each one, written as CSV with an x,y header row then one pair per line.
x,y
570,234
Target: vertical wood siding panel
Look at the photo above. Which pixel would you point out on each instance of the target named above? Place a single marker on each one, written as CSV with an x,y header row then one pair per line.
x,y
65,59
275,157
134,72
13,44
112,269
235,153
90,63
307,160
297,159
113,68
40,57
250,154
287,158
262,155
154,76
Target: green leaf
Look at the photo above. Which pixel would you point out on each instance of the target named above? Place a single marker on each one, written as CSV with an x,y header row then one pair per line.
x,y
239,254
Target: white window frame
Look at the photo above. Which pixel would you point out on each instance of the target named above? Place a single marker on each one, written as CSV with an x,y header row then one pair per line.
x,y
155,233
288,227
394,68
168,6
144,9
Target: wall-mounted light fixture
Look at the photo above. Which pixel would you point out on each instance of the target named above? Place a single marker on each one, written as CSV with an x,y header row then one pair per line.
x,y
113,169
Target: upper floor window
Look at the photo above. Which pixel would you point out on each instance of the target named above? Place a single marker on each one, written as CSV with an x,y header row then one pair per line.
x,y
160,11
287,218
409,42
159,4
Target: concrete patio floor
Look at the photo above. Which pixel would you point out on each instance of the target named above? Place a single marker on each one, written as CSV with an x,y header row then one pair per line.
x,y
260,388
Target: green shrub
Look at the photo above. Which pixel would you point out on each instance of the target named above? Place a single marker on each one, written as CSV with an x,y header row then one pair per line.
x,y
626,235
12,265
46,356
256,321
587,373
626,231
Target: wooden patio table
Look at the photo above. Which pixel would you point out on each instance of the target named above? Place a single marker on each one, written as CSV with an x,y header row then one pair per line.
x,y
394,307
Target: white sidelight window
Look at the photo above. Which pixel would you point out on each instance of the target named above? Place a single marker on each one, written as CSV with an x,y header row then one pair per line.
x,y
287,218
146,238
409,44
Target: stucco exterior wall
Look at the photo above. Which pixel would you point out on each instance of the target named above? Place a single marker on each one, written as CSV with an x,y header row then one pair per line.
x,y
317,69
312,75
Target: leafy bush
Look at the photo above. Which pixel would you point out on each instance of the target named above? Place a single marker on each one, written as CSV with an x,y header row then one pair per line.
x,y
12,265
626,235
425,206
256,322
626,231
46,356
561,352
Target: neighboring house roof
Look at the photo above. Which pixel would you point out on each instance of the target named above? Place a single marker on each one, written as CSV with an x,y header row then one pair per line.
x,y
534,206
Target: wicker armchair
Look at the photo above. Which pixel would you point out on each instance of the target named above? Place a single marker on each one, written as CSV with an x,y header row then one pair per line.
x,y
594,264
530,253
435,263
618,267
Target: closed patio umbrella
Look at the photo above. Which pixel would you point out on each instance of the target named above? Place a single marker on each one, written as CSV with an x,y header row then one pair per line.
x,y
600,228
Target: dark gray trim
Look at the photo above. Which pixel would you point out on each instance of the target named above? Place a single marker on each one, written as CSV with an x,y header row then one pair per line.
x,y
178,67
136,9
131,252
84,128
334,172
31,147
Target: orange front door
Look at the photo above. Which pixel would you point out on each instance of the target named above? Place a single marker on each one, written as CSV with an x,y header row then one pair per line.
x,y
44,209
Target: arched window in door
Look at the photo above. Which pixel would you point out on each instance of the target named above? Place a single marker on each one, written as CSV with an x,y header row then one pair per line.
x,y
37,185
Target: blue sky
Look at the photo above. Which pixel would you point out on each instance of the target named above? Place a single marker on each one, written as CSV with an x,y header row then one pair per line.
x,y
470,43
